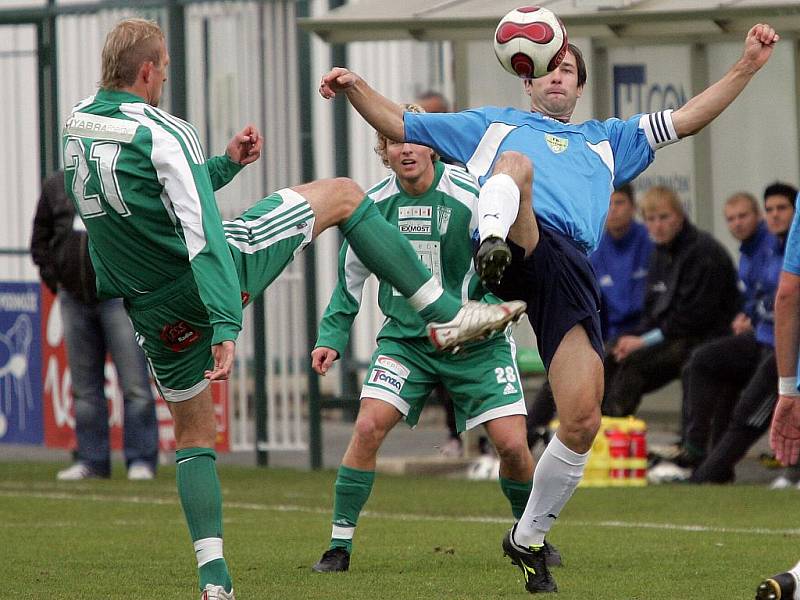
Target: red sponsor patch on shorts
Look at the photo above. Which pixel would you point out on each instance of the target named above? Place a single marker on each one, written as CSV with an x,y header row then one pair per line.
x,y
179,336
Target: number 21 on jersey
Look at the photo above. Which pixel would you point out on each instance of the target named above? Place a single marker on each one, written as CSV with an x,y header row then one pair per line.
x,y
102,163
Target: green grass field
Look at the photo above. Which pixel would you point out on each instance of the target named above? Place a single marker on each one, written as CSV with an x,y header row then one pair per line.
x,y
420,538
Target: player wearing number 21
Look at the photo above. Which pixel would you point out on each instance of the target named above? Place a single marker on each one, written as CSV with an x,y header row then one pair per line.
x,y
145,191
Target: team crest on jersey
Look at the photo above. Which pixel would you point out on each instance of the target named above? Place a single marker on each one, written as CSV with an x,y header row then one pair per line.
x,y
179,336
557,144
443,213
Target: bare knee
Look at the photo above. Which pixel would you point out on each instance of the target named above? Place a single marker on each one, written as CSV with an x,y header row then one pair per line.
x,y
516,457
578,429
516,165
346,196
369,433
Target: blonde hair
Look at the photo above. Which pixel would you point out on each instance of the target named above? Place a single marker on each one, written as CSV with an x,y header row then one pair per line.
x,y
657,194
383,141
130,44
745,197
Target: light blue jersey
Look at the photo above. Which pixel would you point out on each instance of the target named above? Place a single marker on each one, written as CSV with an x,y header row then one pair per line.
x,y
576,166
791,258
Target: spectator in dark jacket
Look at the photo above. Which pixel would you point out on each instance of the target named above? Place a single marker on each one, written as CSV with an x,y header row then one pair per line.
x,y
59,247
691,297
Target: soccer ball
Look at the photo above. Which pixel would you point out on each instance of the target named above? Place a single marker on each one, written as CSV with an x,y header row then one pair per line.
x,y
530,42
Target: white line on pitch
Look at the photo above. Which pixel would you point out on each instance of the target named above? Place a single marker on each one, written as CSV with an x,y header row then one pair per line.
x,y
288,508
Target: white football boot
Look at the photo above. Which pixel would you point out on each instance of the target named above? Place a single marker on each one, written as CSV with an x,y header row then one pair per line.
x,y
216,592
474,321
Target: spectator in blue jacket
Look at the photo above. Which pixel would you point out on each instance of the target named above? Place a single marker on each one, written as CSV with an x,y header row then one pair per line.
x,y
620,263
730,383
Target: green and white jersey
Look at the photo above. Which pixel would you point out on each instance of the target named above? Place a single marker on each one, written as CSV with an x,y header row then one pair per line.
x,y
439,224
145,191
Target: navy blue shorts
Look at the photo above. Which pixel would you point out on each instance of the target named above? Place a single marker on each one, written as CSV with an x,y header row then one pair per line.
x,y
559,285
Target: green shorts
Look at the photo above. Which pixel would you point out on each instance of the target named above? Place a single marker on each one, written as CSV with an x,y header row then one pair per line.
x,y
483,382
172,323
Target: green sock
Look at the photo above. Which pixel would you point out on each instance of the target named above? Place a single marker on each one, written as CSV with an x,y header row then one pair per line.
x,y
352,489
201,498
517,493
386,252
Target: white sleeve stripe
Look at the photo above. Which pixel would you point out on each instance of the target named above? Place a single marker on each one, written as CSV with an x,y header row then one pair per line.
x,y
186,133
190,133
355,274
658,128
482,159
175,174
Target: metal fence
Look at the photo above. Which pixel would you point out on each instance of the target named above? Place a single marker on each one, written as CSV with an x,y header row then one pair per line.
x,y
232,62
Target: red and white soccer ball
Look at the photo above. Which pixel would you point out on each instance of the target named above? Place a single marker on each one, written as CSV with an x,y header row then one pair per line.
x,y
530,42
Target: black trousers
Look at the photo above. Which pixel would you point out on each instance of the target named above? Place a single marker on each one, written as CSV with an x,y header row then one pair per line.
x,y
713,378
641,372
750,419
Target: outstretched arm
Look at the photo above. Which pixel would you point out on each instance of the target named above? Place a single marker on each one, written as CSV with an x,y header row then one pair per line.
x,y
708,104
380,112
785,431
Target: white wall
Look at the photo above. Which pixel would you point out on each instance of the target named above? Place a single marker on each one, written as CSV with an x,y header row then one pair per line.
x,y
754,142
19,153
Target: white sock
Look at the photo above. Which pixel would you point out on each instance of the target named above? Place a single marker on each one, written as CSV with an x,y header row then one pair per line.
x,y
498,205
554,480
207,549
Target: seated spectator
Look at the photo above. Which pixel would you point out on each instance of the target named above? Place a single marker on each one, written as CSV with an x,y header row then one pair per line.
x,y
731,382
620,263
691,297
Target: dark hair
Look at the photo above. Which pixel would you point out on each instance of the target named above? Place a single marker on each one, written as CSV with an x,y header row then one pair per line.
x,y
580,64
781,189
627,189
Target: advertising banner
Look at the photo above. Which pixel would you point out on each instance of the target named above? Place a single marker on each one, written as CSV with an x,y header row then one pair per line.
x,y
20,364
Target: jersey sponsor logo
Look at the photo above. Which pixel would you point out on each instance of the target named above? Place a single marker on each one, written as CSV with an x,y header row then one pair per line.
x,y
443,213
418,227
414,212
100,128
557,144
606,281
179,336
509,389
392,365
386,379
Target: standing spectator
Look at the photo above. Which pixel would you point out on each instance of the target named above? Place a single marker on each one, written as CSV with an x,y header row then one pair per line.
x,y
91,329
620,263
732,379
691,297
